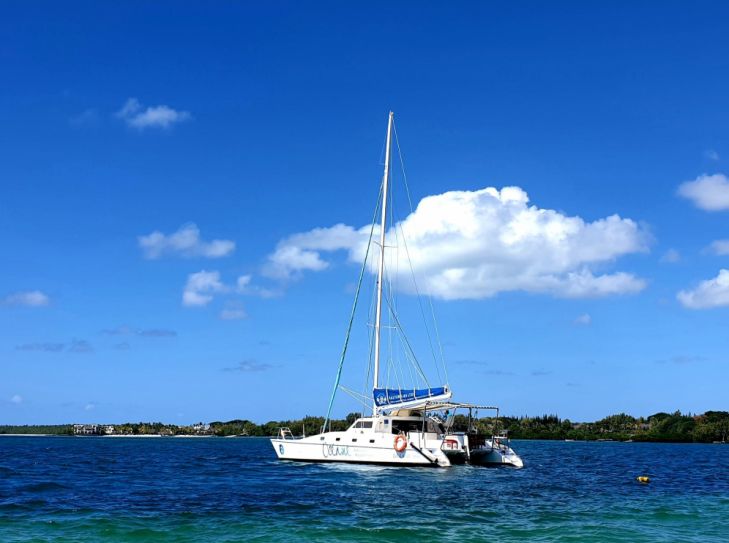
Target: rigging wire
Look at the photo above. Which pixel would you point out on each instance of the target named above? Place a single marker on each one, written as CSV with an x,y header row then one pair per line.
x,y
371,334
406,343
399,375
351,316
412,271
388,291
361,398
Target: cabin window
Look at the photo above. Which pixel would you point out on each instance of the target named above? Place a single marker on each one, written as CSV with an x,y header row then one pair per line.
x,y
337,439
354,440
363,424
407,426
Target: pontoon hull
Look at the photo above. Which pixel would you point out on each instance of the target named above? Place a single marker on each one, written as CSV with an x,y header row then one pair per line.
x,y
456,457
316,449
495,457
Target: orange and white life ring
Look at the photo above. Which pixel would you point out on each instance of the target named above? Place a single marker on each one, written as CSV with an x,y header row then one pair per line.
x,y
401,442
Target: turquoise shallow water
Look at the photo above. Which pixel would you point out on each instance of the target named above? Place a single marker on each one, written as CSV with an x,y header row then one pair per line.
x,y
234,490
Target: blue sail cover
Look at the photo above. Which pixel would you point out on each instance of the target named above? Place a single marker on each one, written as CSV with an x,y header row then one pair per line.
x,y
394,396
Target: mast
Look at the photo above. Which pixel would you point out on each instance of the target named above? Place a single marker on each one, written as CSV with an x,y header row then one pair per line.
x,y
381,268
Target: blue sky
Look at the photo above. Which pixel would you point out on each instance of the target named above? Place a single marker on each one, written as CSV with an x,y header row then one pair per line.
x,y
256,123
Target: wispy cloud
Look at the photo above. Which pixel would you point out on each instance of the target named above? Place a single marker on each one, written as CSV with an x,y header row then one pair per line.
x,y
186,242
119,331
232,312
28,298
79,346
143,332
707,192
541,373
672,256
123,346
88,117
497,372
44,347
16,399
201,288
719,247
711,154
707,294
683,359
583,320
250,366
244,286
156,332
470,362
139,117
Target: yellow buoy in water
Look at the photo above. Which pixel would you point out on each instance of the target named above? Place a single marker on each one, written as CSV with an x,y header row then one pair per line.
x,y
643,479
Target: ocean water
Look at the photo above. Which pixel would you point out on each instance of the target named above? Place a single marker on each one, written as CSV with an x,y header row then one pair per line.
x,y
55,489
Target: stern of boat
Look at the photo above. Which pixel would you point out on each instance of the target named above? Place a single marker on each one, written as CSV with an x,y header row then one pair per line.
x,y
496,452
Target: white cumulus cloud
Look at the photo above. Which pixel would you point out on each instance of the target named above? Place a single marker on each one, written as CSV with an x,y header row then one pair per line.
x,y
200,288
162,116
475,244
707,192
185,242
710,293
300,252
30,298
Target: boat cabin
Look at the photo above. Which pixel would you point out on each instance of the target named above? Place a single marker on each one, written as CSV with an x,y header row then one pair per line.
x,y
398,422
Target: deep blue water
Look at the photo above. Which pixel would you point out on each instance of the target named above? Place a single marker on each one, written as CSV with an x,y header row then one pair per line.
x,y
230,490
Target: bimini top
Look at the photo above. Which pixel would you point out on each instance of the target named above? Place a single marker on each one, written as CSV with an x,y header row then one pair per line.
x,y
409,397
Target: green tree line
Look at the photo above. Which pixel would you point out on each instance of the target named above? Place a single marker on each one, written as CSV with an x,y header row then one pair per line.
x,y
667,427
660,427
50,429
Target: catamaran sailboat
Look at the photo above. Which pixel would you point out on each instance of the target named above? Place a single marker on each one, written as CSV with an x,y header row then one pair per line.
x,y
403,428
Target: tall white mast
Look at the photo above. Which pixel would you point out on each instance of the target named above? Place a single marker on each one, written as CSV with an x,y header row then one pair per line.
x,y
381,269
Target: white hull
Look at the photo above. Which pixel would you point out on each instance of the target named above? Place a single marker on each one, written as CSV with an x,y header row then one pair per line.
x,y
492,452
496,457
365,448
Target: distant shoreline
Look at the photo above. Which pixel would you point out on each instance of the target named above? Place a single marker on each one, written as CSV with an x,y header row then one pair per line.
x,y
152,436
133,436
31,435
709,427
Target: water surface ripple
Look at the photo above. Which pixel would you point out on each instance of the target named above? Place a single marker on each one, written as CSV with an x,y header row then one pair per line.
x,y
234,490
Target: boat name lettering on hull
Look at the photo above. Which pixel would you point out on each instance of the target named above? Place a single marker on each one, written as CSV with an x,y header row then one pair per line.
x,y
335,450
